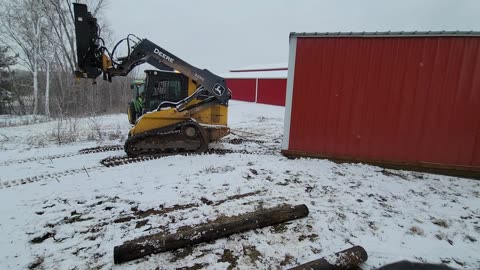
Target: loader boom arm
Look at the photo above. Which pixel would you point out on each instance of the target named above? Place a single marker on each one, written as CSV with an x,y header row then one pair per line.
x,y
148,52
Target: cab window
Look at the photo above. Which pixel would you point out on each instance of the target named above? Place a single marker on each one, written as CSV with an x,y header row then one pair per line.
x,y
167,90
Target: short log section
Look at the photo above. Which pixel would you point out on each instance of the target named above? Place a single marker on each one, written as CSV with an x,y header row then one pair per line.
x,y
221,227
343,260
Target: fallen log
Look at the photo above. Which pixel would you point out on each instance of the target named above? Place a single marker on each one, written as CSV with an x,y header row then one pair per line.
x,y
345,259
221,227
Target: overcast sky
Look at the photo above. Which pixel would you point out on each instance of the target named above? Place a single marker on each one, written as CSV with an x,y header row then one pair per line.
x,y
222,34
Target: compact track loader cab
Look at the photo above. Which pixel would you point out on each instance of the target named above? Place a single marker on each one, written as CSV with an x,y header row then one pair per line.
x,y
163,86
188,124
157,87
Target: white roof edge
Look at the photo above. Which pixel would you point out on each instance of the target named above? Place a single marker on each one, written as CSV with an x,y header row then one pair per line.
x,y
276,74
262,66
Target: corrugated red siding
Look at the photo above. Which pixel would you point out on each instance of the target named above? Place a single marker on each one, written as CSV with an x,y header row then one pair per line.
x,y
242,89
272,91
409,100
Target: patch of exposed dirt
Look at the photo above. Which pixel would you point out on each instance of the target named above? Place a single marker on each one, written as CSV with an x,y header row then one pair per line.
x,y
138,214
236,197
391,173
141,223
206,201
124,219
440,222
230,258
471,238
241,141
75,218
196,266
252,253
289,259
414,230
311,237
279,228
181,253
40,239
36,263
212,169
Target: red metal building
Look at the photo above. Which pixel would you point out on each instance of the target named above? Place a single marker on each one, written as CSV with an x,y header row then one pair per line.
x,y
396,99
262,84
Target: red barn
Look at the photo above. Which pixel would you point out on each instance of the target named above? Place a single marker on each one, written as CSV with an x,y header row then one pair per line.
x,y
263,84
395,99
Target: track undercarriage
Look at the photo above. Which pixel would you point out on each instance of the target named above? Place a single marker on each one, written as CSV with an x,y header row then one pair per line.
x,y
183,137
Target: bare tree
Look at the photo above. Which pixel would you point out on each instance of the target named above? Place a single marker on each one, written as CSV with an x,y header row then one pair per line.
x,y
20,28
61,19
46,56
42,33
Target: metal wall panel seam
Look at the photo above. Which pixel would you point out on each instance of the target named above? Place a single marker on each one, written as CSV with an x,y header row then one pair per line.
x,y
379,140
413,145
438,115
476,85
289,94
442,120
453,104
475,95
424,150
365,125
330,105
256,90
429,52
356,72
463,105
392,59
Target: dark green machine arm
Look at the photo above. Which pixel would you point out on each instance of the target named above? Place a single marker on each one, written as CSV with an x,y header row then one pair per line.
x,y
93,60
148,52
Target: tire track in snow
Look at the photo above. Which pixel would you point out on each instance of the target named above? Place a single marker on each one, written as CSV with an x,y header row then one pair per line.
x,y
124,160
32,159
98,149
107,162
51,176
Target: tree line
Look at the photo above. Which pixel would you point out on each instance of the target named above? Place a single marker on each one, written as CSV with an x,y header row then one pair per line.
x,y
38,57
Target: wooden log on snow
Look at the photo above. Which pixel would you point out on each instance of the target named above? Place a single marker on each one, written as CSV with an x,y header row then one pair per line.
x,y
345,259
221,227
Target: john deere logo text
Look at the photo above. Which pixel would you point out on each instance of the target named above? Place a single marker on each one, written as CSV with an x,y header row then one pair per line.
x,y
164,56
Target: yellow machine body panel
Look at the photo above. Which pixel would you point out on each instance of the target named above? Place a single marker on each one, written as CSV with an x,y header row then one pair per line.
x,y
214,115
158,119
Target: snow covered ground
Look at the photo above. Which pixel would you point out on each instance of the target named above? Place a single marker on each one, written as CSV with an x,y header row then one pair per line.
x,y
63,210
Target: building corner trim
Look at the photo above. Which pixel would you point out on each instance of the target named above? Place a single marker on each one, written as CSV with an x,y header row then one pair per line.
x,y
289,94
256,90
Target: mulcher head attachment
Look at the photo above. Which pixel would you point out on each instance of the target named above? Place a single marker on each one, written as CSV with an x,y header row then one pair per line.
x,y
89,48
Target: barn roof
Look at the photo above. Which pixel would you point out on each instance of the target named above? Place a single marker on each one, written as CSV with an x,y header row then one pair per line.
x,y
389,34
262,67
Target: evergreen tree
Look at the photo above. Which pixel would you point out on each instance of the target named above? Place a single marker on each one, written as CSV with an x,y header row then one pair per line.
x,y
5,78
